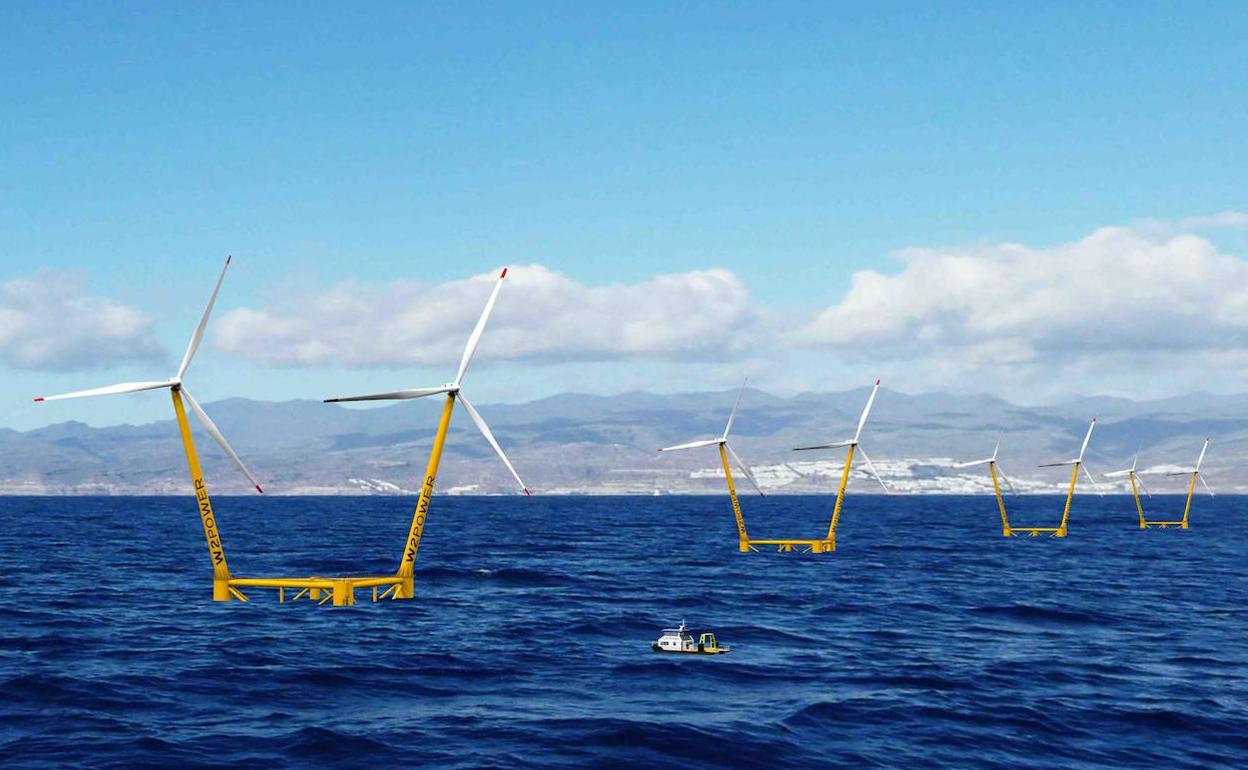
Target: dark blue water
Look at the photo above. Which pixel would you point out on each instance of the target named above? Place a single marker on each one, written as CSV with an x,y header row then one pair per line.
x,y
927,640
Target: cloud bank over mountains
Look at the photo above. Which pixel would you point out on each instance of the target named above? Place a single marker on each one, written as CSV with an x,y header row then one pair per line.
x,y
1155,301
542,316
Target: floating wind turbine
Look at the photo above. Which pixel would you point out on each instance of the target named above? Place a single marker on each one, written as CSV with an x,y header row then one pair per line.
x,y
1137,485
453,393
176,385
453,389
722,443
995,471
224,587
1078,461
854,442
852,445
725,449
994,467
1191,491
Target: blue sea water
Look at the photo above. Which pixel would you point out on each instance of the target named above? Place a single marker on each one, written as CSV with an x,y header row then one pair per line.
x,y
926,641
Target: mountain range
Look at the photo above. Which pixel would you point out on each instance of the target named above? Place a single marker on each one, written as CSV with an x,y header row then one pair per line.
x,y
582,444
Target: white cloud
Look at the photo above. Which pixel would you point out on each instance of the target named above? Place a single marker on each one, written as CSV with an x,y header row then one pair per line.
x,y
1221,219
1114,303
50,322
541,314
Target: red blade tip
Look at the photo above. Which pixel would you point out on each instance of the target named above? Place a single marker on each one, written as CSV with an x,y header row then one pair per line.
x,y
228,258
39,399
258,489
877,382
527,493
504,275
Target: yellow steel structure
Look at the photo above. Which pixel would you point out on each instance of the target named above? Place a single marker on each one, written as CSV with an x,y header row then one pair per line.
x,y
745,543
340,591
852,446
1182,523
1061,529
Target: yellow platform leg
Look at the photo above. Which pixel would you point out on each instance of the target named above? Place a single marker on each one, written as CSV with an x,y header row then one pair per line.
x,y
743,540
406,589
1139,504
830,543
220,570
1070,495
1187,508
996,486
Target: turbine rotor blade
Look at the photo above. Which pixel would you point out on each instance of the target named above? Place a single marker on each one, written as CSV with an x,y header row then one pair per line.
x,y
485,431
1206,486
866,411
198,336
215,432
397,395
974,462
744,469
1201,459
1006,479
874,472
1119,474
1057,465
1140,481
1092,480
475,338
837,445
124,387
1086,439
733,414
692,445
996,449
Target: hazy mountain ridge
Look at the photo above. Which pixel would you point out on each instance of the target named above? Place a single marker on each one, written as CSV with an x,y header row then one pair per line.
x,y
587,444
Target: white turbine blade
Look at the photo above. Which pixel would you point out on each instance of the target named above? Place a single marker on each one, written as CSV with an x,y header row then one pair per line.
x,y
198,336
996,449
397,395
692,445
1092,480
799,474
1201,459
1058,465
744,469
125,387
475,338
871,467
1206,486
213,431
824,446
1140,481
485,431
1006,479
733,414
1119,474
1086,439
974,462
1185,472
866,411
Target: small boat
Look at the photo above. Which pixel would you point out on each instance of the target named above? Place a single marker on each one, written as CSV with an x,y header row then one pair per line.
x,y
680,640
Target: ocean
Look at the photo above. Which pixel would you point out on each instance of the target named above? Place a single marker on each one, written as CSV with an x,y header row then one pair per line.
x,y
926,641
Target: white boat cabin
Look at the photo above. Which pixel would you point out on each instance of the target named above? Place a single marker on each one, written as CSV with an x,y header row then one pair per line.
x,y
676,640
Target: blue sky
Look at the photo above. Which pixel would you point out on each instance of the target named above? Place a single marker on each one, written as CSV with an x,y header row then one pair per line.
x,y
789,145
